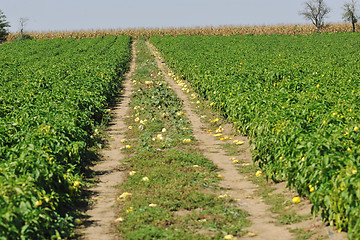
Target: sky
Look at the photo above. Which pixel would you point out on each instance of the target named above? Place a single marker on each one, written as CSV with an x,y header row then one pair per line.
x,y
72,15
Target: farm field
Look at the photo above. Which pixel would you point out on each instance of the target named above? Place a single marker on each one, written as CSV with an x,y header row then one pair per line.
x,y
180,171
180,180
297,99
174,179
54,96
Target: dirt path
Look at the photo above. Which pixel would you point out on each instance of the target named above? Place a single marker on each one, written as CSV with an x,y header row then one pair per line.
x,y
102,213
235,185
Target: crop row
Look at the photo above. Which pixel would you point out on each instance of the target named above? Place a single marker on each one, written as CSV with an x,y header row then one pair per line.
x,y
297,98
53,98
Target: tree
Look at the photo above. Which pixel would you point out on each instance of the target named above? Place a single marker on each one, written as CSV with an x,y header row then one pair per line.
x,y
316,10
3,25
22,25
350,13
23,35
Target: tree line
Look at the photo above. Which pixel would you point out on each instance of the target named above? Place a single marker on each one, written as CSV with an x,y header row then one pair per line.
x,y
314,10
317,10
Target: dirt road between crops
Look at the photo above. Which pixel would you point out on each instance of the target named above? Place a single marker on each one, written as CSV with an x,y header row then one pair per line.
x,y
109,171
101,215
235,185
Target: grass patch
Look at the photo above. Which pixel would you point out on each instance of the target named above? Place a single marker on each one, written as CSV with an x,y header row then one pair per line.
x,y
302,234
231,149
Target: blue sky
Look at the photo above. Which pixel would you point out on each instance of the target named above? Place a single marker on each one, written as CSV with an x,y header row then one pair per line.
x,y
61,15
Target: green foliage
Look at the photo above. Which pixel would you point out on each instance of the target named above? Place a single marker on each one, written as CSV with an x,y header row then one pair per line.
x,y
297,98
3,25
24,37
53,97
